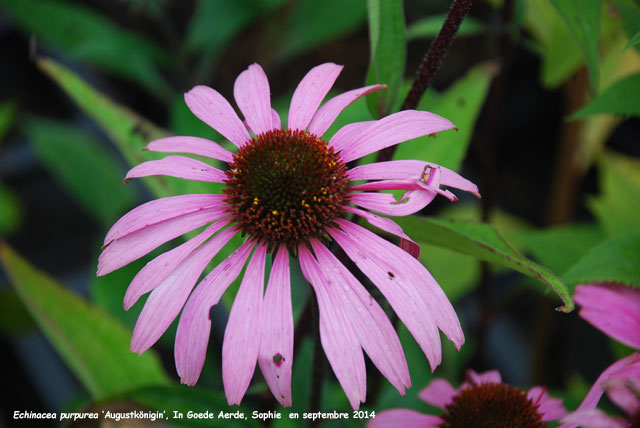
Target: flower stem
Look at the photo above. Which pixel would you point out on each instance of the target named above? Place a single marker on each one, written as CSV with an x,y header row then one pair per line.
x,y
432,62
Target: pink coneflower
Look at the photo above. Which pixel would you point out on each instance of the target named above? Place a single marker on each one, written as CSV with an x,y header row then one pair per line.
x,y
289,193
614,309
481,402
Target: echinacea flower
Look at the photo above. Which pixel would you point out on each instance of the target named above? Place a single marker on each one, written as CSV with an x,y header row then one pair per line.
x,y
614,309
483,401
288,192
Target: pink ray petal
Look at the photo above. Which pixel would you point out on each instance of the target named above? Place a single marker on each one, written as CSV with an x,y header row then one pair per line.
x,y
214,110
192,336
403,418
241,337
410,247
407,273
389,226
275,119
154,272
192,145
438,393
338,339
385,203
177,166
394,129
168,298
131,247
276,346
405,300
309,94
348,134
551,408
253,96
490,376
410,169
371,325
390,185
159,210
622,390
592,418
326,114
623,324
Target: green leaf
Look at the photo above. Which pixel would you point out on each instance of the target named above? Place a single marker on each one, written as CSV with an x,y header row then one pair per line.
x,y
313,23
184,399
461,104
10,211
7,118
635,40
618,99
14,317
127,129
615,260
583,19
629,12
482,241
617,208
388,50
89,172
560,247
94,346
85,35
431,25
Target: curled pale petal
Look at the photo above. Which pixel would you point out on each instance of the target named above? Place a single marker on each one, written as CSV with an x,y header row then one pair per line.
x,y
410,247
309,94
438,393
403,418
338,339
394,129
159,210
177,166
612,308
154,272
253,96
592,418
623,389
242,335
349,133
166,300
490,376
410,169
371,325
194,327
385,203
550,408
276,344
131,247
392,270
214,110
405,300
326,114
191,145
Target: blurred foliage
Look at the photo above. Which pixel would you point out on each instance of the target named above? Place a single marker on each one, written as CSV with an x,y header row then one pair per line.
x,y
615,100
430,27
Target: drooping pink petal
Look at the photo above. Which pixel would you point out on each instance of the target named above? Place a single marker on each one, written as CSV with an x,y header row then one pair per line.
x,y
623,323
276,345
371,325
385,203
593,418
338,339
406,273
438,393
214,110
159,210
348,134
410,247
403,418
326,114
394,129
309,94
167,299
241,337
410,169
405,300
123,251
194,327
622,390
550,408
490,376
253,96
192,145
177,166
154,272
